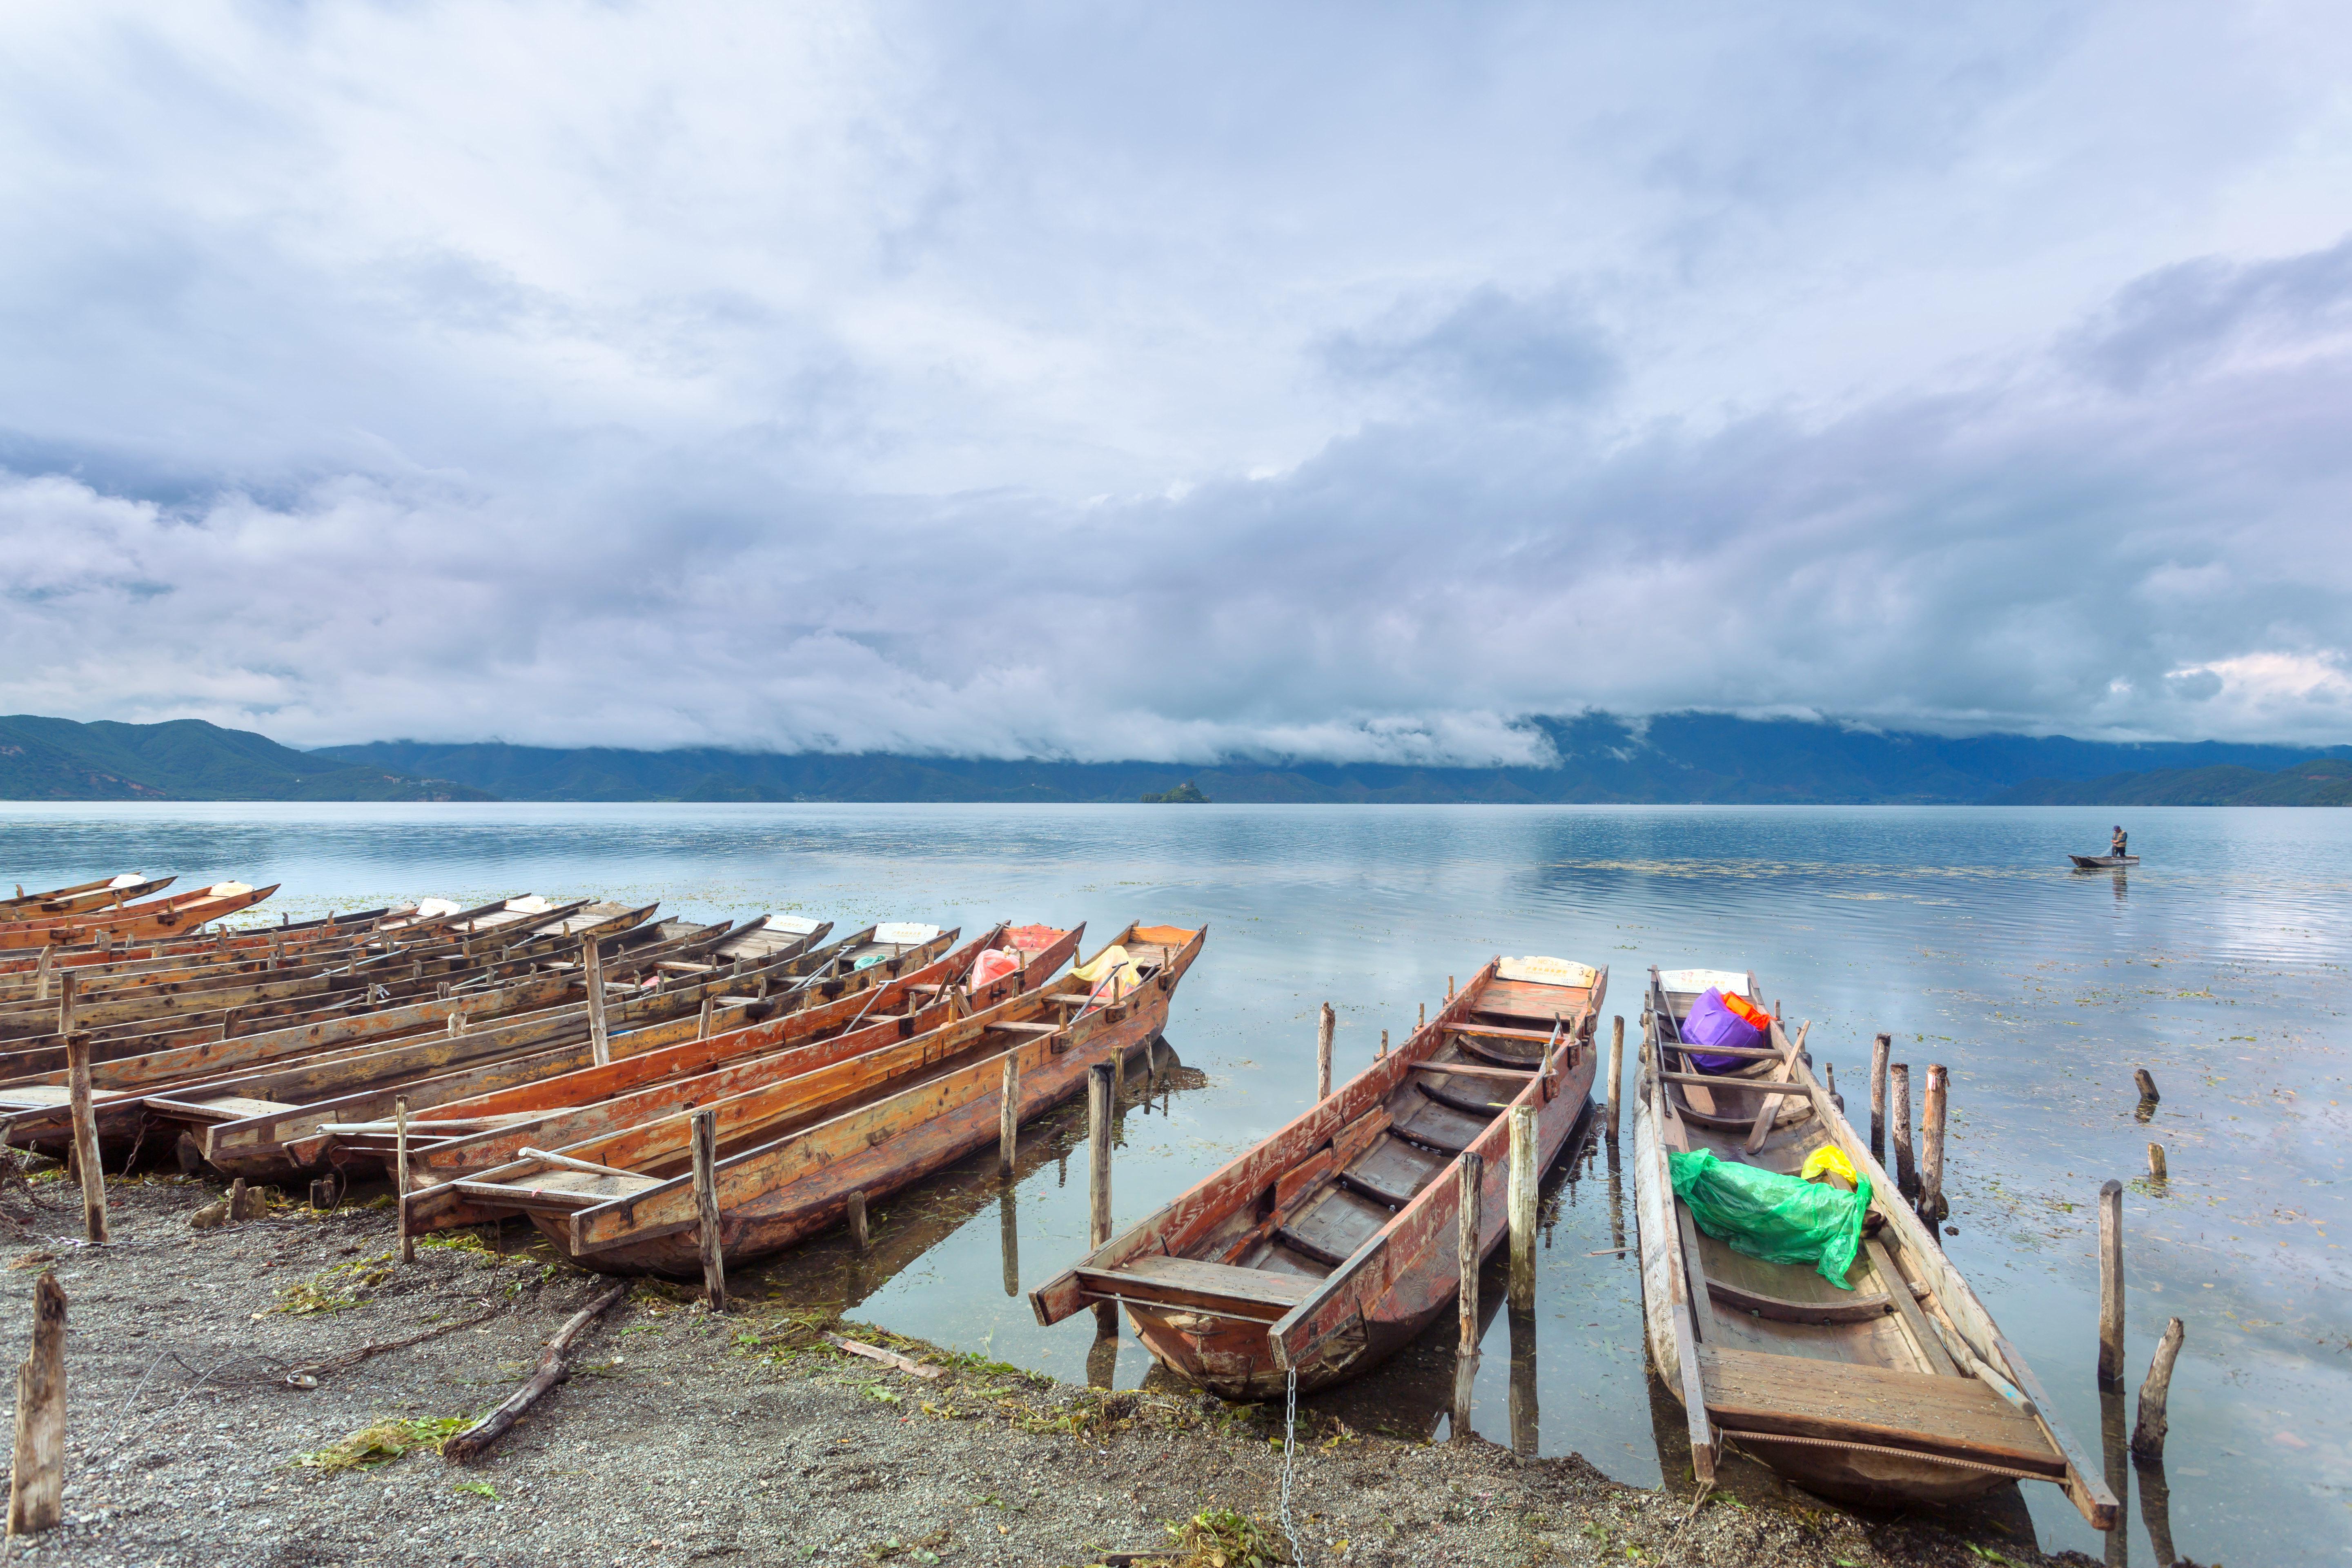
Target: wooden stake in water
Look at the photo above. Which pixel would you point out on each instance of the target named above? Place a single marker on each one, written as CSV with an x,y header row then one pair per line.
x,y
2156,1167
1326,1025
2110,1285
85,1140
705,1209
1098,1115
1616,1073
600,1043
2148,1431
399,1177
1931,1163
1384,1045
1008,1117
1878,1050
1520,1202
1470,1189
1898,1096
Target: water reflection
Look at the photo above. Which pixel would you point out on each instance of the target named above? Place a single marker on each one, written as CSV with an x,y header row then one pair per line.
x,y
2155,1509
1527,1422
2115,1449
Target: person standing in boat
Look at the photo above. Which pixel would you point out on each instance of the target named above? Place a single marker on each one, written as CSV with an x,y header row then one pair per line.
x,y
2115,844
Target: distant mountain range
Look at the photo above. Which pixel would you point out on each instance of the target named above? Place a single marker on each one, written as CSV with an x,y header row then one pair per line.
x,y
2323,781
1669,759
57,759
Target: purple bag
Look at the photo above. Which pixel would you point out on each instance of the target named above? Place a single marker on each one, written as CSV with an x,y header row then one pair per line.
x,y
1713,1024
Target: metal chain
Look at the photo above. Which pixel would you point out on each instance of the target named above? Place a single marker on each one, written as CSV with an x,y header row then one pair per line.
x,y
1289,1451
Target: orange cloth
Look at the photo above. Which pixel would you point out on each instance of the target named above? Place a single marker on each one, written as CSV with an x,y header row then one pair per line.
x,y
1747,1011
1031,939
1163,936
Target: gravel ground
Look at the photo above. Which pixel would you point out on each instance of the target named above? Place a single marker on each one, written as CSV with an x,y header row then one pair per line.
x,y
746,1438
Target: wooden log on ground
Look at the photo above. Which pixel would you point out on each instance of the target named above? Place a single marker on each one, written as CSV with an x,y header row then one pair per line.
x,y
468,1445
1898,1098
38,1477
1326,1025
2148,1431
1616,1074
1879,1048
706,1205
1098,1114
1467,1253
2110,1285
1520,1207
85,1140
1008,1117
1931,1146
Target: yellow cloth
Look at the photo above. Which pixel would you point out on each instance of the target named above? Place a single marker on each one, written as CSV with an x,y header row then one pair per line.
x,y
1110,960
1830,1157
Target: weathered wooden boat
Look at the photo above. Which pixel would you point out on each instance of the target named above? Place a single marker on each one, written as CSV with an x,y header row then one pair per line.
x,y
492,1129
178,913
76,900
1321,1251
2101,862
103,889
100,952
293,1134
792,1152
1899,1390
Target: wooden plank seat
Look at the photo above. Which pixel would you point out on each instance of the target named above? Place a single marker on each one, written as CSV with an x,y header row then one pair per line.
x,y
1225,1289
1800,1396
1502,1032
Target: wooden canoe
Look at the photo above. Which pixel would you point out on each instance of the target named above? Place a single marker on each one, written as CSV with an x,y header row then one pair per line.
x,y
179,912
2101,862
792,1151
1900,1391
98,951
1333,1243
104,888
75,900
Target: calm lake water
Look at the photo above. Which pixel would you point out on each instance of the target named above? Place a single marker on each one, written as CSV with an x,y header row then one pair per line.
x,y
2219,964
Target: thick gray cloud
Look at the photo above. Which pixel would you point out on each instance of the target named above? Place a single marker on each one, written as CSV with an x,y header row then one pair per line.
x,y
1127,382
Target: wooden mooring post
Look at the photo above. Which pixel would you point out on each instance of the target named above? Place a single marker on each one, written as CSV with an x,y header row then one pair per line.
x,y
1931,1146
1879,1048
2110,1285
1521,1204
600,1043
85,1140
36,1479
1469,1194
400,1178
1326,1023
1100,1107
2156,1166
860,1237
1616,1075
1008,1117
705,1209
1898,1103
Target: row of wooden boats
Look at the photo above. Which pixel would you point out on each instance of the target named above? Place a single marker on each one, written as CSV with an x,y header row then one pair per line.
x,y
549,1060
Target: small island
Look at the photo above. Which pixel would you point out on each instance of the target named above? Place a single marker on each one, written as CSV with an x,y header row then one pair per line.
x,y
1185,794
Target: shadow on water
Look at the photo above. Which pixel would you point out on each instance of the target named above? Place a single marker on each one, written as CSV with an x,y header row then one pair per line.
x,y
829,1273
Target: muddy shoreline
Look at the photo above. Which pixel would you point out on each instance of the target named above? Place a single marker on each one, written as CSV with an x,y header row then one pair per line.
x,y
745,1437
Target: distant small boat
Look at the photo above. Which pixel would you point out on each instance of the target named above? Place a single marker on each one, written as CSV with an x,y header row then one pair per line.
x,y
2101,862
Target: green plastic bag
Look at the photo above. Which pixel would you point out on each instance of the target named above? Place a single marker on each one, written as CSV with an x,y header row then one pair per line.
x,y
1775,1218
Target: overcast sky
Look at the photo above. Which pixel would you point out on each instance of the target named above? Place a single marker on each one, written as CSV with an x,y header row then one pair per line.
x,y
1160,381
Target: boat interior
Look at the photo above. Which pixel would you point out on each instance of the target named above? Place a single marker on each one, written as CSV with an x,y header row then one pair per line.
x,y
1315,1215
